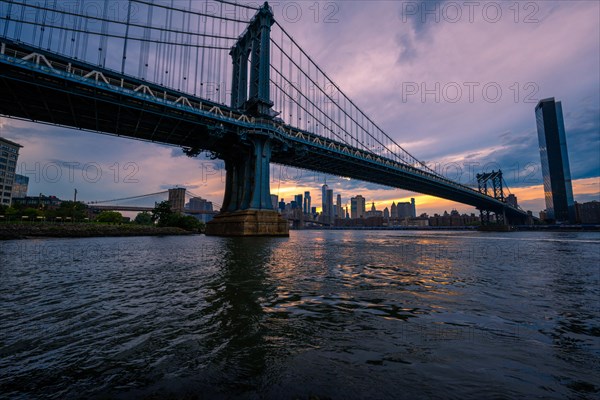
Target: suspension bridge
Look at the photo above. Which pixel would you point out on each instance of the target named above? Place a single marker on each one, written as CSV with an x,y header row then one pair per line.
x,y
177,198
226,79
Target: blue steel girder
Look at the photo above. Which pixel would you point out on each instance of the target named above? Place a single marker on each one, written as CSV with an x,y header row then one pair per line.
x,y
60,95
253,96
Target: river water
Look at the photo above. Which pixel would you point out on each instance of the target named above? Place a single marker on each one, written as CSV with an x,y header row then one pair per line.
x,y
321,315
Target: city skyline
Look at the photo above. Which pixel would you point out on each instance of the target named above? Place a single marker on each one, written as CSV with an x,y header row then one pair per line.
x,y
459,137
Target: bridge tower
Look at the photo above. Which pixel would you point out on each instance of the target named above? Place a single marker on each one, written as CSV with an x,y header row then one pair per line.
x,y
247,208
253,96
490,184
177,199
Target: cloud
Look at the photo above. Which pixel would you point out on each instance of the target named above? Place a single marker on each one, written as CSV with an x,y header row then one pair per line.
x,y
421,17
177,152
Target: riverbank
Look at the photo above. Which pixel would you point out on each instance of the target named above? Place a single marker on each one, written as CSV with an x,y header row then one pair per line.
x,y
75,230
493,228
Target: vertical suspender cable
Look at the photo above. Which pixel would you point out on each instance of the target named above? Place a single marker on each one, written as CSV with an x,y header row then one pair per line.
x,y
8,14
37,11
43,28
19,27
126,37
104,39
219,58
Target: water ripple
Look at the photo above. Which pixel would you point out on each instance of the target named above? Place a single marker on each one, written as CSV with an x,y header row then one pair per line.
x,y
320,315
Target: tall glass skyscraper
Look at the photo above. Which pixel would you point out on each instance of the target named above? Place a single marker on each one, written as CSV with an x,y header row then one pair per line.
x,y
558,190
330,212
324,210
307,204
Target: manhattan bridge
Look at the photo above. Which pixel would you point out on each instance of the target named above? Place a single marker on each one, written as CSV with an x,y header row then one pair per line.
x,y
228,80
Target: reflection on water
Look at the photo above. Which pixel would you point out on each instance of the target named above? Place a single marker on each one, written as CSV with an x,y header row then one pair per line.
x,y
319,315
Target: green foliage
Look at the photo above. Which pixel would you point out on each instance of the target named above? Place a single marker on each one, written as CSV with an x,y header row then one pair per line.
x,y
144,218
165,217
8,213
11,211
162,214
188,223
32,213
111,217
77,211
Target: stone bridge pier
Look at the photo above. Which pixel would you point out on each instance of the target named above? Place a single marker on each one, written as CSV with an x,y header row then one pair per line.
x,y
247,209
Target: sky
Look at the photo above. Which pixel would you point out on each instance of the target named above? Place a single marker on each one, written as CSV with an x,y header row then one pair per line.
x,y
455,83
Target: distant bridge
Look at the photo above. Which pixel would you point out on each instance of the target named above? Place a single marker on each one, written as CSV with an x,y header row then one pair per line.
x,y
175,199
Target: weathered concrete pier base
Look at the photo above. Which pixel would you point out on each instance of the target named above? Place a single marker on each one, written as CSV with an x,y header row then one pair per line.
x,y
248,223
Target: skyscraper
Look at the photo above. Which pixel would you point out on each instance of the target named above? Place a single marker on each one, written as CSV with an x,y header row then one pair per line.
x,y
307,205
274,201
357,207
339,211
200,204
558,191
330,214
394,210
298,200
324,210
9,153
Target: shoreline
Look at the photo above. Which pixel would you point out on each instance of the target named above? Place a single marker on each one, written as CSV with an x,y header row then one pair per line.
x,y
518,228
23,231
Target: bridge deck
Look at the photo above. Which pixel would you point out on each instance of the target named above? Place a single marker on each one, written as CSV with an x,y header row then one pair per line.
x,y
48,88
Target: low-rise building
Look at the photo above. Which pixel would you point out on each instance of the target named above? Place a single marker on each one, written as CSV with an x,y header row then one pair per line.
x,y
20,186
588,213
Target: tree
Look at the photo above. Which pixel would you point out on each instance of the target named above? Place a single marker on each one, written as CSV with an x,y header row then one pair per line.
x,y
163,214
11,213
188,223
166,217
111,217
73,209
32,213
144,218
